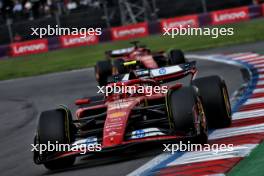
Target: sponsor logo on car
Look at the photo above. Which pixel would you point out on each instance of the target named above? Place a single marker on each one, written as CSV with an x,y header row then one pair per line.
x,y
162,71
165,71
122,51
117,114
139,133
147,132
119,105
91,140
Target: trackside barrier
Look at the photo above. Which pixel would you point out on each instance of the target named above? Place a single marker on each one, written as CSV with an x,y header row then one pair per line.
x,y
134,31
191,20
262,8
230,16
4,51
130,31
75,40
29,47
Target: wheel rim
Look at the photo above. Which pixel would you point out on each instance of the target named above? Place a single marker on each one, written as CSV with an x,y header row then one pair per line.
x,y
114,70
203,119
227,103
97,74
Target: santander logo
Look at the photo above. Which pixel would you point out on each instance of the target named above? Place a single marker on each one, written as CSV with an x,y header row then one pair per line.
x,y
29,48
230,16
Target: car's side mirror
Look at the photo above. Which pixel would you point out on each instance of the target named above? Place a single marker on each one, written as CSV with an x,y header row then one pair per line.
x,y
82,101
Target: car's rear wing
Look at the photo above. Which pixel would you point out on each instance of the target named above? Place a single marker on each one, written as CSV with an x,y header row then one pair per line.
x,y
119,52
163,74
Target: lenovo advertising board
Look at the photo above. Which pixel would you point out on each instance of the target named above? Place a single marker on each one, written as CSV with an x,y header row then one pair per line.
x,y
68,41
130,31
230,15
29,47
183,22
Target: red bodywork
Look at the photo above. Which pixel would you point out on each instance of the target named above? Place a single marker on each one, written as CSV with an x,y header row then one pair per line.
x,y
119,108
118,111
143,56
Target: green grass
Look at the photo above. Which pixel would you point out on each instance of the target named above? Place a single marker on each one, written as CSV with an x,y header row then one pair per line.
x,y
81,57
251,165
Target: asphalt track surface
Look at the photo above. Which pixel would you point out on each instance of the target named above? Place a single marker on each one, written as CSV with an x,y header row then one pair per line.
x,y
21,100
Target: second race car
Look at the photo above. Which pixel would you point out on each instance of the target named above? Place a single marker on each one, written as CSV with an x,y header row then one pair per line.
x,y
124,60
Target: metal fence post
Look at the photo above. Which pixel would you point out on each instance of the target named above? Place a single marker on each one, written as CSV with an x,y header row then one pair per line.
x,y
204,5
10,32
58,14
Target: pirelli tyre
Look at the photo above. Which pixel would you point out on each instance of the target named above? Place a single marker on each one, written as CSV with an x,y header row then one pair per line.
x,y
216,102
176,57
55,126
103,69
184,106
119,66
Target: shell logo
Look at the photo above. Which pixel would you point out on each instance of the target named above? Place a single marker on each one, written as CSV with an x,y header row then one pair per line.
x,y
117,114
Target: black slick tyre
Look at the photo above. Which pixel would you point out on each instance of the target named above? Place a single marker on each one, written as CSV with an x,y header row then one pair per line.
x,y
55,126
103,69
183,106
176,57
216,102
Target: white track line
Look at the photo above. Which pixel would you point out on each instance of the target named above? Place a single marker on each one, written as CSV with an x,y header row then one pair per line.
x,y
256,62
261,76
246,57
236,131
201,156
259,66
248,114
254,101
237,55
154,162
240,151
261,70
259,83
260,90
253,59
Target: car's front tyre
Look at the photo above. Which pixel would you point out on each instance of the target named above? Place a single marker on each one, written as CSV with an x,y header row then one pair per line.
x,y
55,127
216,102
184,107
176,57
103,69
119,66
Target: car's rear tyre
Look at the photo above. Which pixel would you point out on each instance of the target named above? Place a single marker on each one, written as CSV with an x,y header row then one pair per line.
x,y
55,126
176,57
103,69
119,66
216,101
183,106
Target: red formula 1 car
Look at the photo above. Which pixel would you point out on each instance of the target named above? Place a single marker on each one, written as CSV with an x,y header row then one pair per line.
x,y
135,117
124,60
